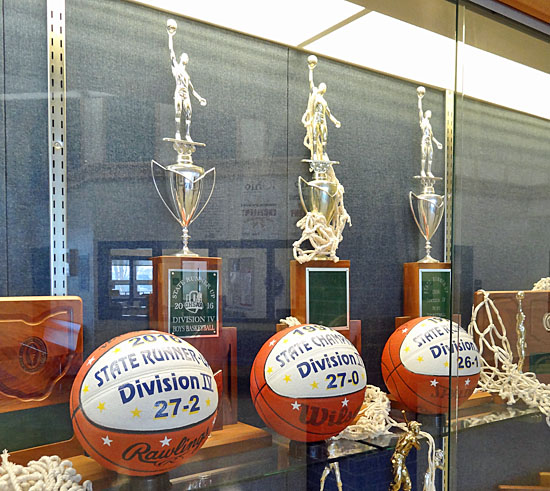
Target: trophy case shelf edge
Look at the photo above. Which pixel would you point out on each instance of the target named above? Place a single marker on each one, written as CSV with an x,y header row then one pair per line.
x,y
233,439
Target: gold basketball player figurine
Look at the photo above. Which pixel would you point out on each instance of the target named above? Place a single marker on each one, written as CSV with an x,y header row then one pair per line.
x,y
315,117
401,478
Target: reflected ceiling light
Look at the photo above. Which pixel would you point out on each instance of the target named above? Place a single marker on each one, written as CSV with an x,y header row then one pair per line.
x,y
285,21
495,79
378,42
392,46
395,47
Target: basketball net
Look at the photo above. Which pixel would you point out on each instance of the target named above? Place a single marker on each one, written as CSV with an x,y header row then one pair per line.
x,y
324,237
504,377
542,284
46,474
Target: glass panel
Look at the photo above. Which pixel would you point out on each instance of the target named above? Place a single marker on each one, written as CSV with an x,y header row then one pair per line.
x,y
501,238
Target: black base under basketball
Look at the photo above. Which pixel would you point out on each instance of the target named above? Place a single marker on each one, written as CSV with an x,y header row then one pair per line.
x,y
308,450
160,482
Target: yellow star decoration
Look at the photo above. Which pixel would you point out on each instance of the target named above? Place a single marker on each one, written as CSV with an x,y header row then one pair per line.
x,y
420,359
86,388
101,406
407,349
136,413
117,350
208,402
269,369
314,385
446,364
285,340
287,378
362,375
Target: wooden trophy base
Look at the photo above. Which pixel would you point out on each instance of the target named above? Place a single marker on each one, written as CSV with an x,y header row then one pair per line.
x,y
415,302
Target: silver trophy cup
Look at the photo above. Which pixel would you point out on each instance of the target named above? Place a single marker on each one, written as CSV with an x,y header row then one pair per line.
x,y
185,185
319,195
428,210
184,179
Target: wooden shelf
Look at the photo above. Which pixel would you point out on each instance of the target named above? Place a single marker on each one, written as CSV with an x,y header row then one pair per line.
x,y
233,439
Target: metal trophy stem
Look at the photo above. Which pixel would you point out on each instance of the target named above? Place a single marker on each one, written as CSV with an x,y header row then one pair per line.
x,y
427,207
184,179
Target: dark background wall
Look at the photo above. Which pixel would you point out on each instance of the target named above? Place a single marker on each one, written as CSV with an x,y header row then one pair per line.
x,y
25,213
121,88
502,242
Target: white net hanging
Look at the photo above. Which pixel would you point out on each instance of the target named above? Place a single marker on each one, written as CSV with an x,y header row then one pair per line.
x,y
45,474
504,377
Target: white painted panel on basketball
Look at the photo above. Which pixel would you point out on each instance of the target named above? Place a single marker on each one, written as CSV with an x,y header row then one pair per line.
x,y
149,383
427,349
314,361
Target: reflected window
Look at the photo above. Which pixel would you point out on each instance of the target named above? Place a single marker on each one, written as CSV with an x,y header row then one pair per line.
x,y
144,270
120,270
122,289
131,281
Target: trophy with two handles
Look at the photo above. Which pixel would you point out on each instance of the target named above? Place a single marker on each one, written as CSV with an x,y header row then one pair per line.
x,y
186,286
319,280
184,179
427,283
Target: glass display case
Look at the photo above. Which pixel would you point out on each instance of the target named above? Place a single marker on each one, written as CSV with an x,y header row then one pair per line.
x,y
334,278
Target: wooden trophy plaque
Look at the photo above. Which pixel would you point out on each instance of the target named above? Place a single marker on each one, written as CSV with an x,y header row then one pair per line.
x,y
536,308
40,355
186,301
426,291
41,350
319,294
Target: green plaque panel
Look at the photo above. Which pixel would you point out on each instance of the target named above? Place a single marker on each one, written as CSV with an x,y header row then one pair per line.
x,y
327,300
435,292
193,302
35,426
539,363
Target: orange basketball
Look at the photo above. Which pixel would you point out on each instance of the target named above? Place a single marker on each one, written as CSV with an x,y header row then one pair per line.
x,y
308,382
143,402
417,361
